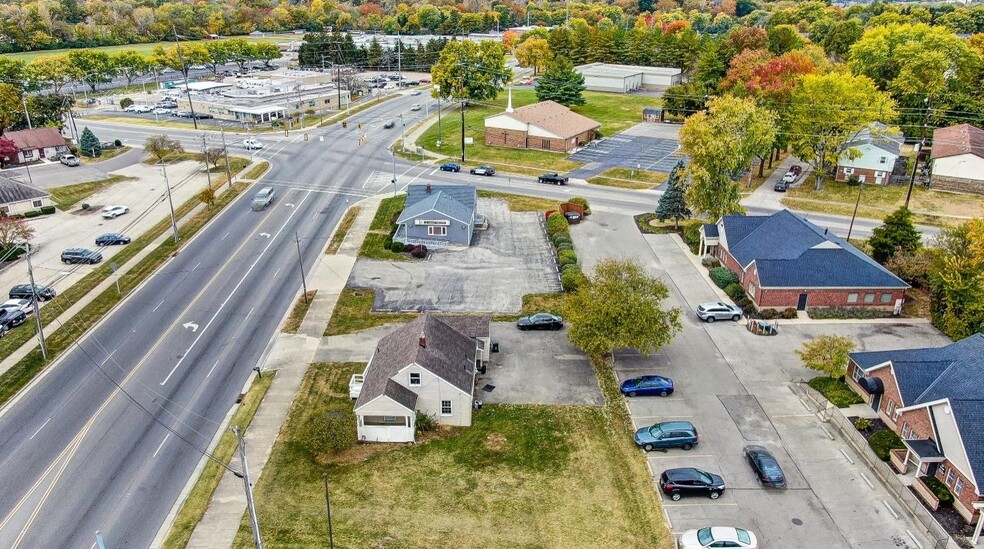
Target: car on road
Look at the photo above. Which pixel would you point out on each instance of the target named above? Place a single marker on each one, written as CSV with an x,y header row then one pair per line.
x,y
552,178
482,170
717,310
69,160
24,291
143,108
11,318
112,212
81,255
415,107
414,92
112,239
766,467
450,167
389,124
690,481
130,108
252,144
647,386
781,186
26,306
263,198
540,321
667,434
718,536
789,178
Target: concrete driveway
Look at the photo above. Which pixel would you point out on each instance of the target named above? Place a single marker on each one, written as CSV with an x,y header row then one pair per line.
x,y
509,260
738,389
537,367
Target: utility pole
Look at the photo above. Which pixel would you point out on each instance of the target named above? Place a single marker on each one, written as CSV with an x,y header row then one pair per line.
x,y
857,203
249,490
37,314
338,85
300,265
208,172
184,71
399,57
912,180
26,114
440,134
462,130
225,152
393,150
170,203
331,533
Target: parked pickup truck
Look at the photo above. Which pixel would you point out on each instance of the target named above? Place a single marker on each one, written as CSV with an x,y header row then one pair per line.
x,y
553,179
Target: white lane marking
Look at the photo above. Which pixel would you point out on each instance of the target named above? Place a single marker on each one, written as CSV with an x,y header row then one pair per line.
x,y
372,176
39,429
195,268
275,272
162,445
434,171
158,306
250,312
109,357
213,368
233,292
225,235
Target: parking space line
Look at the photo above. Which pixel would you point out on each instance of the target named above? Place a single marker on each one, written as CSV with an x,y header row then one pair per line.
x,y
658,417
689,456
715,503
865,479
847,457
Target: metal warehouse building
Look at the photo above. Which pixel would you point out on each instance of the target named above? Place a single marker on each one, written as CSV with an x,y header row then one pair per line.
x,y
607,77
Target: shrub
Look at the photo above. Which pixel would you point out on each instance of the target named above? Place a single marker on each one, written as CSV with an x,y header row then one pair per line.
x,y
723,277
710,263
561,237
47,210
570,279
939,489
408,247
853,181
863,424
691,234
745,304
12,253
117,143
583,202
790,313
769,314
85,206
32,213
571,267
425,423
734,291
565,246
557,223
884,441
912,267
563,255
419,252
849,312
334,431
396,246
125,102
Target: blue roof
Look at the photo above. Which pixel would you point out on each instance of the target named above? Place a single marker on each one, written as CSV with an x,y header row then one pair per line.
x,y
440,202
791,252
969,415
710,230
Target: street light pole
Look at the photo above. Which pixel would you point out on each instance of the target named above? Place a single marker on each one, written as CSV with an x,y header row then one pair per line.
x,y
208,172
254,523
857,203
26,113
170,203
462,130
184,71
912,180
225,152
393,150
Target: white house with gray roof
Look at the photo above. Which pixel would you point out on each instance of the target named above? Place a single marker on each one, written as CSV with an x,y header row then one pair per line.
x,y
426,365
871,155
18,198
438,216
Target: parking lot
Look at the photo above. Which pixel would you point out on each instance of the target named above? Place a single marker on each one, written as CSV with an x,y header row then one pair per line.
x,y
739,389
509,260
645,146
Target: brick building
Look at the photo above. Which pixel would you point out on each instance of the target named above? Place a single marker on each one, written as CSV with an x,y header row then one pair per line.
x,y
934,399
782,260
875,150
958,159
545,126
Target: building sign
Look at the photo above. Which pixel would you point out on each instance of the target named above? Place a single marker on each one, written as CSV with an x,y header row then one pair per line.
x,y
431,222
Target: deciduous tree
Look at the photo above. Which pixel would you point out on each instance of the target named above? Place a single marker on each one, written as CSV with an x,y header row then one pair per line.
x,y
534,52
827,354
14,231
95,67
897,233
11,108
161,147
471,70
561,83
130,65
8,151
621,307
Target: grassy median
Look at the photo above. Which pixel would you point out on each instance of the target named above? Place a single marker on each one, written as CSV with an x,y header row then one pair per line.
x,y
626,178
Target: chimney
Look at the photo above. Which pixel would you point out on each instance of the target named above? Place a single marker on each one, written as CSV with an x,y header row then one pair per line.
x,y
428,188
825,231
509,105
423,341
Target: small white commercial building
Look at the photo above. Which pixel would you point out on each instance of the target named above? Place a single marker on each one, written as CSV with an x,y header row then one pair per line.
x,y
607,77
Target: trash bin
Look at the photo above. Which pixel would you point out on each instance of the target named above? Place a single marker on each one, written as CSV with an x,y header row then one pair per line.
x,y
495,346
477,404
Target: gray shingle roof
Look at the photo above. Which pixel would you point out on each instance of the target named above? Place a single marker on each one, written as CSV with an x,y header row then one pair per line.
x,y
877,134
789,251
12,191
448,354
400,394
440,202
710,230
969,415
465,194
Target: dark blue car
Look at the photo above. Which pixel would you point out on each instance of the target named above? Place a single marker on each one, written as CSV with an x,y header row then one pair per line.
x,y
112,239
451,167
765,466
647,386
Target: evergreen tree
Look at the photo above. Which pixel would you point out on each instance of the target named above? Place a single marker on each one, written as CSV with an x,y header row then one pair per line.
x,y
89,144
374,56
897,233
561,83
673,203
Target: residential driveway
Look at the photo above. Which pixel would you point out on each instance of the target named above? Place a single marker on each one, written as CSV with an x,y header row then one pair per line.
x,y
56,174
536,367
509,260
738,389
144,195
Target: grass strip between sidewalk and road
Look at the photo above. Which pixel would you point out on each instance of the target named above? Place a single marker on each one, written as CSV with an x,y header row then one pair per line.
x,y
106,155
627,178
374,245
299,311
59,338
257,170
522,203
67,196
343,228
193,508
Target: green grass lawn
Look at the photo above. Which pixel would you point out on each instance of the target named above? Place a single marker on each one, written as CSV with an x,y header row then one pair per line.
x,y
522,203
299,311
615,112
627,178
374,246
353,312
144,49
106,155
520,476
836,391
343,228
68,196
257,170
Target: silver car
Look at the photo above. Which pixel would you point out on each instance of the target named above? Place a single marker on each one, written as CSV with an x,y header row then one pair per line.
x,y
263,198
69,160
717,310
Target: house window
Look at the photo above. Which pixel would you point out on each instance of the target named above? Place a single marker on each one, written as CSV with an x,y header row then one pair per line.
x,y
36,204
869,298
949,477
895,416
890,408
414,379
545,144
905,431
882,160
858,373
437,231
848,171
751,290
852,297
941,471
958,487
886,298
28,154
445,407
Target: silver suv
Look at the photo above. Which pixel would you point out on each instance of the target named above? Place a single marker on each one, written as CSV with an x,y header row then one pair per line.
x,y
263,198
717,310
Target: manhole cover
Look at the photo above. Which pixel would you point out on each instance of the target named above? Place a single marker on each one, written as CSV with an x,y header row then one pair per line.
x,y
797,522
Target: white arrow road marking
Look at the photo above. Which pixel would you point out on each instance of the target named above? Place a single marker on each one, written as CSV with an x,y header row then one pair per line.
x,y
289,204
265,235
191,326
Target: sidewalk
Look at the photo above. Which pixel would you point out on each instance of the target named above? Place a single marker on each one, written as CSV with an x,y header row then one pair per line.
x,y
291,355
410,141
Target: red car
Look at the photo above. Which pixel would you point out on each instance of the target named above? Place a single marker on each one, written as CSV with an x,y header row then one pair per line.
x,y
796,169
424,81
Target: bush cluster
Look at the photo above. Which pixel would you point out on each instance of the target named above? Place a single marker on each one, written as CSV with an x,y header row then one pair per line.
x,y
939,489
47,210
883,442
710,263
723,277
396,247
557,223
425,423
32,213
558,230
734,291
849,312
863,424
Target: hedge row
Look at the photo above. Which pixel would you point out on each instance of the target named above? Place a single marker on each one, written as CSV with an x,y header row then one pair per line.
x,y
558,230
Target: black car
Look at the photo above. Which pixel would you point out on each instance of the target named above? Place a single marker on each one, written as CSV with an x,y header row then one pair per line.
x,y
202,116
765,466
11,318
23,291
781,186
112,239
451,167
689,481
81,255
389,124
540,321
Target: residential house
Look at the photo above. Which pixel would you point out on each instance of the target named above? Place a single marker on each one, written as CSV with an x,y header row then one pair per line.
x,y
871,155
438,216
609,77
18,198
782,260
545,126
427,365
958,159
934,399
37,144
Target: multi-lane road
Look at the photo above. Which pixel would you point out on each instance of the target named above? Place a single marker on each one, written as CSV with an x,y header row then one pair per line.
x,y
110,434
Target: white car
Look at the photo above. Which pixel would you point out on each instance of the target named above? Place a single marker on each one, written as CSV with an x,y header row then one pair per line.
x,y
26,306
163,110
718,536
250,144
112,212
789,177
130,108
415,107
